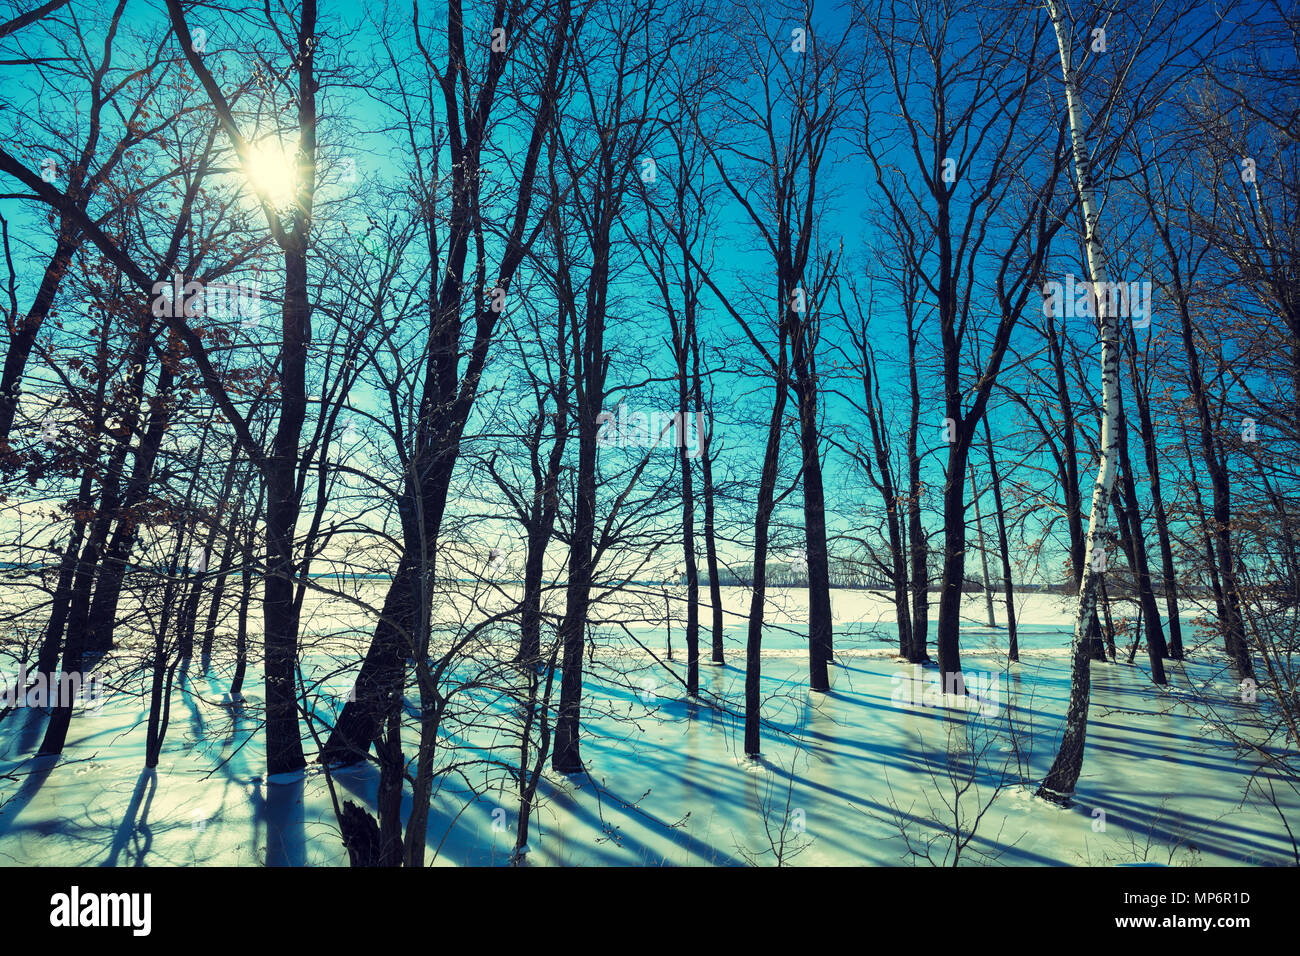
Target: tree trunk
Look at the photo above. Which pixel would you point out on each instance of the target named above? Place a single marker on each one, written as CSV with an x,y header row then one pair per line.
x,y
820,646
889,492
529,778
530,613
567,757
161,673
706,474
984,554
762,522
1013,647
379,684
1211,561
445,405
1110,625
218,595
1234,635
1072,485
117,557
245,598
1130,515
688,554
1061,779
48,659
920,544
284,753
1142,401
23,337
954,570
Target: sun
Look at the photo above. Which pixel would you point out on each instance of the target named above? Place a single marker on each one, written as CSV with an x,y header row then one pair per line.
x,y
273,172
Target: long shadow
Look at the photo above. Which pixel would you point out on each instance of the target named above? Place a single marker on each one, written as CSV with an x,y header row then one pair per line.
x,y
888,814
41,768
454,822
612,817
1143,820
190,697
461,822
31,730
281,810
131,826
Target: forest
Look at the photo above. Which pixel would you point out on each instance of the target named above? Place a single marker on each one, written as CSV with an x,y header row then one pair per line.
x,y
650,432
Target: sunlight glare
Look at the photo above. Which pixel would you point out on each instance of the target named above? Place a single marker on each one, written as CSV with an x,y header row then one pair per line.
x,y
271,170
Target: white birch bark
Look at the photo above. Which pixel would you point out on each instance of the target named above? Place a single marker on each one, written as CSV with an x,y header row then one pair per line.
x,y
1064,774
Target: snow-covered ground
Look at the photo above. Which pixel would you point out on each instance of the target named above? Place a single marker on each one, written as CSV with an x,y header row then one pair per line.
x,y
867,774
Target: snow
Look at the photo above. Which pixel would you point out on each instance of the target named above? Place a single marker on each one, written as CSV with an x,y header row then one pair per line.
x,y
853,776
287,778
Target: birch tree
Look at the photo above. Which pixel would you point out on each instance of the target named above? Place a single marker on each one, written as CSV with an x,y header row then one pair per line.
x,y
1157,51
